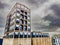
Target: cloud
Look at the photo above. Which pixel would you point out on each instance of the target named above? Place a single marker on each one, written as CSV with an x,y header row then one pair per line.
x,y
2,5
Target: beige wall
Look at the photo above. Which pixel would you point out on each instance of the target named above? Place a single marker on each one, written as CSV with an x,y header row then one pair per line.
x,y
27,41
17,41
42,41
8,41
22,41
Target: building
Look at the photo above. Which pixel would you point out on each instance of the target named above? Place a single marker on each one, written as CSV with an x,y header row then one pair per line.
x,y
18,25
39,38
18,29
56,39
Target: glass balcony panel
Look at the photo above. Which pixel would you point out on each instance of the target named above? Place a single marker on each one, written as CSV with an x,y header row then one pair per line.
x,y
12,33
17,27
25,22
33,34
37,35
12,27
16,35
25,34
28,18
22,11
17,20
26,13
21,22
25,28
12,21
29,28
28,22
21,27
18,14
13,16
21,34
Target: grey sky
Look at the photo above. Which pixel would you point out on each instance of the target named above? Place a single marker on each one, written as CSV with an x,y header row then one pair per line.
x,y
45,14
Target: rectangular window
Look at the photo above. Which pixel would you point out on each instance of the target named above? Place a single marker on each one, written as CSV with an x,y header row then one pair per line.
x,y
21,27
25,28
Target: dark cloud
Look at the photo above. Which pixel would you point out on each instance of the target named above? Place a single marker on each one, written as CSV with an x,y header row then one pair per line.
x,y
2,22
56,9
2,5
36,3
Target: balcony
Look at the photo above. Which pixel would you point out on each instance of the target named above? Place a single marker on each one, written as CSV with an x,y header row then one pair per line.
x,y
22,11
25,28
33,34
18,15
12,22
17,20
12,17
25,22
17,27
29,34
21,34
21,27
21,22
28,28
12,27
25,34
16,35
37,35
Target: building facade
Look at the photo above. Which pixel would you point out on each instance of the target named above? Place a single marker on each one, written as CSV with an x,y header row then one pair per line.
x,y
56,39
18,22
18,29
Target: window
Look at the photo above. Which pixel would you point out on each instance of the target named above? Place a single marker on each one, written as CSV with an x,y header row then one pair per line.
x,y
21,34
18,14
26,13
25,34
36,34
21,22
54,40
25,17
29,35
18,6
17,20
25,28
12,27
33,34
28,23
28,18
22,11
29,28
11,22
39,34
25,22
11,35
16,35
21,27
17,27
18,11
13,16
22,16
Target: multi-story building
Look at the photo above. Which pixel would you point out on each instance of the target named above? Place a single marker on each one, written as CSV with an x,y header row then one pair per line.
x,y
18,22
56,39
18,29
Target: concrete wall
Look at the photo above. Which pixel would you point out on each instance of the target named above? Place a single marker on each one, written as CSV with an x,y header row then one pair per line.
x,y
22,41
28,41
8,41
17,41
42,41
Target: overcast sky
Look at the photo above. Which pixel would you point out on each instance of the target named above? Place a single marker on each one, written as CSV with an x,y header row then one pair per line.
x,y
45,14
